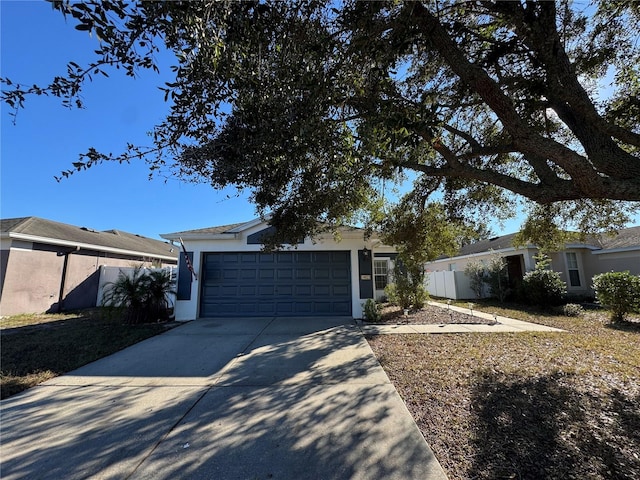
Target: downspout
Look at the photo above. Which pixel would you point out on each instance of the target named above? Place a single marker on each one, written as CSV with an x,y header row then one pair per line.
x,y
63,280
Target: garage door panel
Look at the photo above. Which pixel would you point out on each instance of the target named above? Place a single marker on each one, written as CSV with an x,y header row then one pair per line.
x,y
248,308
323,307
248,274
285,308
267,274
304,308
303,290
303,273
266,308
321,290
266,290
284,258
340,290
321,273
284,290
230,274
228,290
341,308
276,283
267,258
285,274
247,291
340,273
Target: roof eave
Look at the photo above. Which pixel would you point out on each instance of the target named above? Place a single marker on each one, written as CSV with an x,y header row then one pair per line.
x,y
86,246
200,236
485,252
617,250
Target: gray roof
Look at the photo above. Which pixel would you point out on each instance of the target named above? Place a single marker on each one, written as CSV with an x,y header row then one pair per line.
x,y
222,229
625,238
208,230
495,243
111,239
628,237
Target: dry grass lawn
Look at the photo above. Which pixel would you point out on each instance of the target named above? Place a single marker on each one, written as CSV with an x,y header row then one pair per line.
x,y
35,348
525,405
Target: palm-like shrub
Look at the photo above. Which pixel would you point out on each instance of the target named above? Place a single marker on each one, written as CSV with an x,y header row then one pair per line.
x,y
143,296
158,286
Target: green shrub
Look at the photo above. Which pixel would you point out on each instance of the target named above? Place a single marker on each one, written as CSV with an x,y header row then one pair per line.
x,y
497,277
391,292
475,270
543,287
572,310
619,292
420,297
371,311
404,290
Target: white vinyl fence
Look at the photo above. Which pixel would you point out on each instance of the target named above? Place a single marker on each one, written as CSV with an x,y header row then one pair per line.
x,y
446,284
110,274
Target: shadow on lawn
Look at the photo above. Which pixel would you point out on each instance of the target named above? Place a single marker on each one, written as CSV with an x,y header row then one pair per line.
x,y
545,428
626,326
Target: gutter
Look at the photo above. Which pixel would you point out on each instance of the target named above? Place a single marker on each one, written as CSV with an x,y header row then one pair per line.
x,y
616,250
63,280
86,246
202,236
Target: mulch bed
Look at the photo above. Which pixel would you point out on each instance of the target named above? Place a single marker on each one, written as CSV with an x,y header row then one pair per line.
x,y
429,315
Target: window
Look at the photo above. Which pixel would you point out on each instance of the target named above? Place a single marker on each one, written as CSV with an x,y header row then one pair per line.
x,y
572,268
381,273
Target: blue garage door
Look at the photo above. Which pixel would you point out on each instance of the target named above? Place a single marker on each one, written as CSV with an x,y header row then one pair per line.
x,y
276,284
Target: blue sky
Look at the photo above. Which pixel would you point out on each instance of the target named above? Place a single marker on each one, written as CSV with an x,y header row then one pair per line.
x,y
36,44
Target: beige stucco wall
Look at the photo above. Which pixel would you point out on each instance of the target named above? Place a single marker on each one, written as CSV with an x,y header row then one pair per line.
x,y
616,262
31,281
32,278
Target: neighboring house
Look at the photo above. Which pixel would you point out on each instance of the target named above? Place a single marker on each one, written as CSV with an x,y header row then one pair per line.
x,y
577,263
48,266
319,277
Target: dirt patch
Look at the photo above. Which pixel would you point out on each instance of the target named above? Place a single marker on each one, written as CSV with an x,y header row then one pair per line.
x,y
429,315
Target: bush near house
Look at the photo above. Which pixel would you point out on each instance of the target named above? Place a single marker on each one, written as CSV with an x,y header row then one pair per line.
x,y
406,293
475,270
497,278
372,311
572,310
619,292
543,287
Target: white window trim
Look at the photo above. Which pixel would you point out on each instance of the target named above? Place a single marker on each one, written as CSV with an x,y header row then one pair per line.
x,y
578,256
389,270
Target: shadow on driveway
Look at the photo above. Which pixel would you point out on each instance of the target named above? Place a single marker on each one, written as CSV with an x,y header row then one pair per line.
x,y
236,399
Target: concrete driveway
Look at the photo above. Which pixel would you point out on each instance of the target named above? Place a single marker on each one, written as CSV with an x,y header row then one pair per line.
x,y
221,399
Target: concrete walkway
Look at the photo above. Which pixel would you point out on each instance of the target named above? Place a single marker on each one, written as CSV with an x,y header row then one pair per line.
x,y
221,399
501,325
